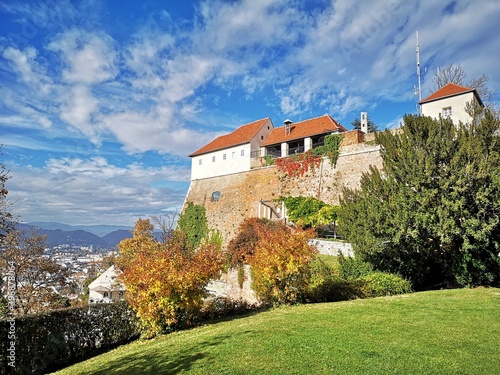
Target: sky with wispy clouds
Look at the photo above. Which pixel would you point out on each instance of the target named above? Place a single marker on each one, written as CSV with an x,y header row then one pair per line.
x,y
102,101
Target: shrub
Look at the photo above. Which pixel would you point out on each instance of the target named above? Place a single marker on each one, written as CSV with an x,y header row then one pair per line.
x,y
223,307
279,257
352,268
50,341
379,284
325,286
241,248
166,282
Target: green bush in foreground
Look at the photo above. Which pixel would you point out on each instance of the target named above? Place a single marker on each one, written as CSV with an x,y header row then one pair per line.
x,y
379,284
355,279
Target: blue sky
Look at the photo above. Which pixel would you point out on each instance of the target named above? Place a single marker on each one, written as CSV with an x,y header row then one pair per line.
x,y
102,101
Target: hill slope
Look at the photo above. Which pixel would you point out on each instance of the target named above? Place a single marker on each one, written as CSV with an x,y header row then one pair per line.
x,y
439,332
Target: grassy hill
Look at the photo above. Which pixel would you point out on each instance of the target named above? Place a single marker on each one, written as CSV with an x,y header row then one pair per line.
x,y
438,332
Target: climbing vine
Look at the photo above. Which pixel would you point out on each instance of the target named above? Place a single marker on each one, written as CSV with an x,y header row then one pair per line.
x,y
330,148
298,165
267,160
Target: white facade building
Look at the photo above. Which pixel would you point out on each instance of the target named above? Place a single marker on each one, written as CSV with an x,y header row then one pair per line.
x,y
231,153
107,288
450,101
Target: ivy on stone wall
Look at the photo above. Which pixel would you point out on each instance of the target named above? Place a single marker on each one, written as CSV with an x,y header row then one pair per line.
x,y
330,148
193,222
299,164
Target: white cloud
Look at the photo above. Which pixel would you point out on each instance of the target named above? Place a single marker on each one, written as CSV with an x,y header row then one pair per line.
x,y
94,191
88,57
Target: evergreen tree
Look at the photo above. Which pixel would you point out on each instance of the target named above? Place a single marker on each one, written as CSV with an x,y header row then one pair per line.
x,y
372,128
433,213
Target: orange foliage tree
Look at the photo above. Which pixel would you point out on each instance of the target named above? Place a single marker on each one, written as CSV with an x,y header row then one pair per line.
x,y
166,282
279,256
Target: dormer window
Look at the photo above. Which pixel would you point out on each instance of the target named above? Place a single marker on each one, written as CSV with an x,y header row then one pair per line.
x,y
446,112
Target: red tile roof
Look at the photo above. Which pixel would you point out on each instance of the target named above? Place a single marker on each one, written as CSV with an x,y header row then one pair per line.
x,y
240,136
451,89
303,129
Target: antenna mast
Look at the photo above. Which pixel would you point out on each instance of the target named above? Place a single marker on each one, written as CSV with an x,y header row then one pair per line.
x,y
418,90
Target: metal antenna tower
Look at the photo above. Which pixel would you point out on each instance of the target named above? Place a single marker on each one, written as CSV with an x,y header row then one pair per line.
x,y
418,90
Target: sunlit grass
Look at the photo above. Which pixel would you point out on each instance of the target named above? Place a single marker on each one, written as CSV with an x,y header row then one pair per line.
x,y
439,332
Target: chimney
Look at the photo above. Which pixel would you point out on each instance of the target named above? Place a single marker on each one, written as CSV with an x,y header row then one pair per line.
x,y
288,124
364,122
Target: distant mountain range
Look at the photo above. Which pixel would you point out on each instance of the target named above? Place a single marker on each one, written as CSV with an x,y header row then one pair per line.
x,y
98,236
98,230
62,234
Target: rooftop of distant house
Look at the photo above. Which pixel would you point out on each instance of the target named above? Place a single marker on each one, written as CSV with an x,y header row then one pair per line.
x,y
449,90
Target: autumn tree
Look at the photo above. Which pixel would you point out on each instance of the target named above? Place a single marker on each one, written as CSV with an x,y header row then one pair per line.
x,y
432,214
36,278
166,282
6,222
279,257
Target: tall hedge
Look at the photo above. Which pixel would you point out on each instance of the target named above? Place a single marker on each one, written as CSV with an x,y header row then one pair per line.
x,y
50,341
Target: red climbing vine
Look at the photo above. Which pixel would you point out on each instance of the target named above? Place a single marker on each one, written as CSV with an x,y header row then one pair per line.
x,y
298,165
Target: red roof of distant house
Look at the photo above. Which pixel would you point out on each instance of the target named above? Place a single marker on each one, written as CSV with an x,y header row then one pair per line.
x,y
303,129
240,136
451,89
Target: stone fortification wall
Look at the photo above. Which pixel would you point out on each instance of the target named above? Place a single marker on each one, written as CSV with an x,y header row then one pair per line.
x,y
333,247
240,193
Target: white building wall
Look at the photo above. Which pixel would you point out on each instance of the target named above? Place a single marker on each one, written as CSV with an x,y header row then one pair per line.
x,y
212,164
229,160
456,103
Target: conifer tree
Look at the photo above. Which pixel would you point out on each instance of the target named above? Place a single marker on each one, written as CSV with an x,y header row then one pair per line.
x,y
433,213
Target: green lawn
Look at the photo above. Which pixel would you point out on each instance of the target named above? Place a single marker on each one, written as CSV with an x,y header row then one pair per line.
x,y
439,332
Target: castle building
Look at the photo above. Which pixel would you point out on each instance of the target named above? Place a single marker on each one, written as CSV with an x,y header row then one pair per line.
x,y
450,101
230,153
237,151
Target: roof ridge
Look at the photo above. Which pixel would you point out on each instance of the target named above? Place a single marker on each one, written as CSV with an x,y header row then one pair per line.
x,y
220,142
450,89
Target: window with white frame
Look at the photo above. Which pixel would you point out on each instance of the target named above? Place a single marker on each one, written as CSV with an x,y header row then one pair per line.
x,y
213,159
242,152
234,154
200,161
446,112
223,156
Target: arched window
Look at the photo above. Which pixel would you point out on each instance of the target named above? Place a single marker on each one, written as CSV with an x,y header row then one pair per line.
x,y
215,196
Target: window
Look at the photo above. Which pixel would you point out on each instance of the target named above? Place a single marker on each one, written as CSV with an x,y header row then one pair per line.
x,y
447,112
105,295
242,152
261,137
215,196
234,154
213,159
223,156
199,161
